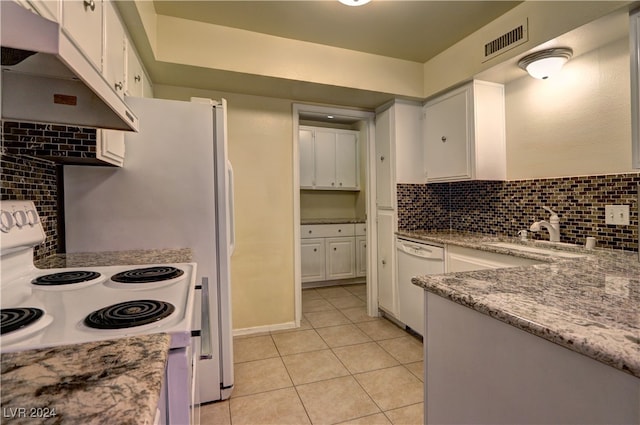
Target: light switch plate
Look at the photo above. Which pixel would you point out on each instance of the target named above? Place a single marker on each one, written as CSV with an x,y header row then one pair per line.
x,y
616,214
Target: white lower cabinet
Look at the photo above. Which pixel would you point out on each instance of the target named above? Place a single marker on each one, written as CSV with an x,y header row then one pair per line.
x,y
341,258
312,254
332,251
387,282
361,256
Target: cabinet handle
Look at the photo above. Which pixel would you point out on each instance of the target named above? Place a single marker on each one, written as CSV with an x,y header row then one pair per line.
x,y
91,4
340,183
382,158
315,249
310,231
333,183
339,230
444,139
118,85
137,78
335,249
384,262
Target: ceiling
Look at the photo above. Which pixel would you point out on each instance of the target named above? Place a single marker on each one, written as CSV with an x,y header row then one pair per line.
x,y
411,30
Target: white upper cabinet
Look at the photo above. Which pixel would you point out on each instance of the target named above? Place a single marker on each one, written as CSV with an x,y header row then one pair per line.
x,y
634,29
398,149
328,158
307,162
82,21
385,176
464,134
136,79
114,43
49,9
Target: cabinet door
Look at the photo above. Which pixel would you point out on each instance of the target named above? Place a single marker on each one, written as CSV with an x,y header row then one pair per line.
x,y
49,9
387,283
384,183
82,21
346,160
340,258
114,39
361,256
325,158
110,146
135,74
307,163
447,137
312,257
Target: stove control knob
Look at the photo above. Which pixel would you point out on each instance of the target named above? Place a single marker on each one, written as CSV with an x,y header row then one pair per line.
x,y
6,221
32,217
21,218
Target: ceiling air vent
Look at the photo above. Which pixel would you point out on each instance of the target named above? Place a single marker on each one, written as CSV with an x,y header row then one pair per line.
x,y
507,41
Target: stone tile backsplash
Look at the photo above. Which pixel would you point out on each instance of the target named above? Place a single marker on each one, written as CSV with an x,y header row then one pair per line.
x,y
30,158
503,208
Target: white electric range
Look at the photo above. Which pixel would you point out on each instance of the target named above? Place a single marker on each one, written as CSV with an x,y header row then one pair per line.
x,y
48,307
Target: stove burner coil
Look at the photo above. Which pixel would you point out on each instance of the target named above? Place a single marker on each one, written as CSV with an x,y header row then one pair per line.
x,y
65,278
12,319
129,314
148,274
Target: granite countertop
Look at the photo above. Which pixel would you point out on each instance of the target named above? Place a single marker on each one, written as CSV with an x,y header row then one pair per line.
x,y
104,382
111,258
590,304
331,220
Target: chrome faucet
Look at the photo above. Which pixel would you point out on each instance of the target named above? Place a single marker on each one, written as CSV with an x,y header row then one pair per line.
x,y
553,225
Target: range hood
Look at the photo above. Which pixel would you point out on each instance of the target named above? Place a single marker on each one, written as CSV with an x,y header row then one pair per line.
x,y
46,78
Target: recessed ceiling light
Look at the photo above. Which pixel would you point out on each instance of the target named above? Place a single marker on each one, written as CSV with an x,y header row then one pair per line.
x,y
330,117
354,2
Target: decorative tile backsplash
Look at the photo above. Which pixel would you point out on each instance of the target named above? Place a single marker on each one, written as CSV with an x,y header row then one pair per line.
x,y
54,142
503,208
30,157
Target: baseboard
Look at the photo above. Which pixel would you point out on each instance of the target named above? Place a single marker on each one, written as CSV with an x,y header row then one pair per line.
x,y
336,282
264,329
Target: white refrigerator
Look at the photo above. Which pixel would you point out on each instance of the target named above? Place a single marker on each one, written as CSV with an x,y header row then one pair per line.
x,y
174,191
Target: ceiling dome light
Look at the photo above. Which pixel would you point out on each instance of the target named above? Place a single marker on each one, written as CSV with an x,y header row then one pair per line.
x,y
354,2
545,63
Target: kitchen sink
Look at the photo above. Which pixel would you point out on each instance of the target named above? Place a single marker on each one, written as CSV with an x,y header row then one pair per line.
x,y
536,250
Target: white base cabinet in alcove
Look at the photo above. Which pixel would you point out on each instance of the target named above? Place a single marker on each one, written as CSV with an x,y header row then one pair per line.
x,y
332,252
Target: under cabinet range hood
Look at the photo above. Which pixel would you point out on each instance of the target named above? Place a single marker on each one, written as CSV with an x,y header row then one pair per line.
x,y
46,78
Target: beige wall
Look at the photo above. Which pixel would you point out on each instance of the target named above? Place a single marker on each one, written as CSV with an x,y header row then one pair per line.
x,y
327,204
576,123
260,149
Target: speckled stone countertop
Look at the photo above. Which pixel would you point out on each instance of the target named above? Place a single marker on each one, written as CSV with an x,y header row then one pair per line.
x,y
105,382
332,220
590,304
111,258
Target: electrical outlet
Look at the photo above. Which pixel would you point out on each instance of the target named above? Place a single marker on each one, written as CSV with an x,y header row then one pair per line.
x,y
616,214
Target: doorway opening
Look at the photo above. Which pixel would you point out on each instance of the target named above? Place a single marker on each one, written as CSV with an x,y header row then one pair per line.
x,y
342,201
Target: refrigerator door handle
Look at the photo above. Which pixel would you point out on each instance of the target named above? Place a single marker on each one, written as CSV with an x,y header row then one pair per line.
x,y
232,227
206,351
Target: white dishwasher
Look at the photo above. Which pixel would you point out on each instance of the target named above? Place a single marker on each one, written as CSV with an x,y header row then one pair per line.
x,y
415,259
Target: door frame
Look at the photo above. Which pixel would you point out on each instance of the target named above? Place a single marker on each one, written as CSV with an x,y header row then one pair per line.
x,y
368,118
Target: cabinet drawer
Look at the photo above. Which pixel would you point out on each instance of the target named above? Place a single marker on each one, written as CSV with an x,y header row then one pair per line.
x,y
361,229
326,230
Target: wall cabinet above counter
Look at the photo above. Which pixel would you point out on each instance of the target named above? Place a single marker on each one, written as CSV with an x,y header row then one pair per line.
x,y
328,159
464,134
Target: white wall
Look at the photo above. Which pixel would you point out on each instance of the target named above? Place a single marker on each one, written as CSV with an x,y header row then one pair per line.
x,y
575,123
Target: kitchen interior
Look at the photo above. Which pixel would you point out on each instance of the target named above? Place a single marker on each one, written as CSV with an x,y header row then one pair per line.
x,y
394,236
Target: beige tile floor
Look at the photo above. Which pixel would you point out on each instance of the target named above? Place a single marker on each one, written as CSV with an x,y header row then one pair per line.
x,y
340,367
